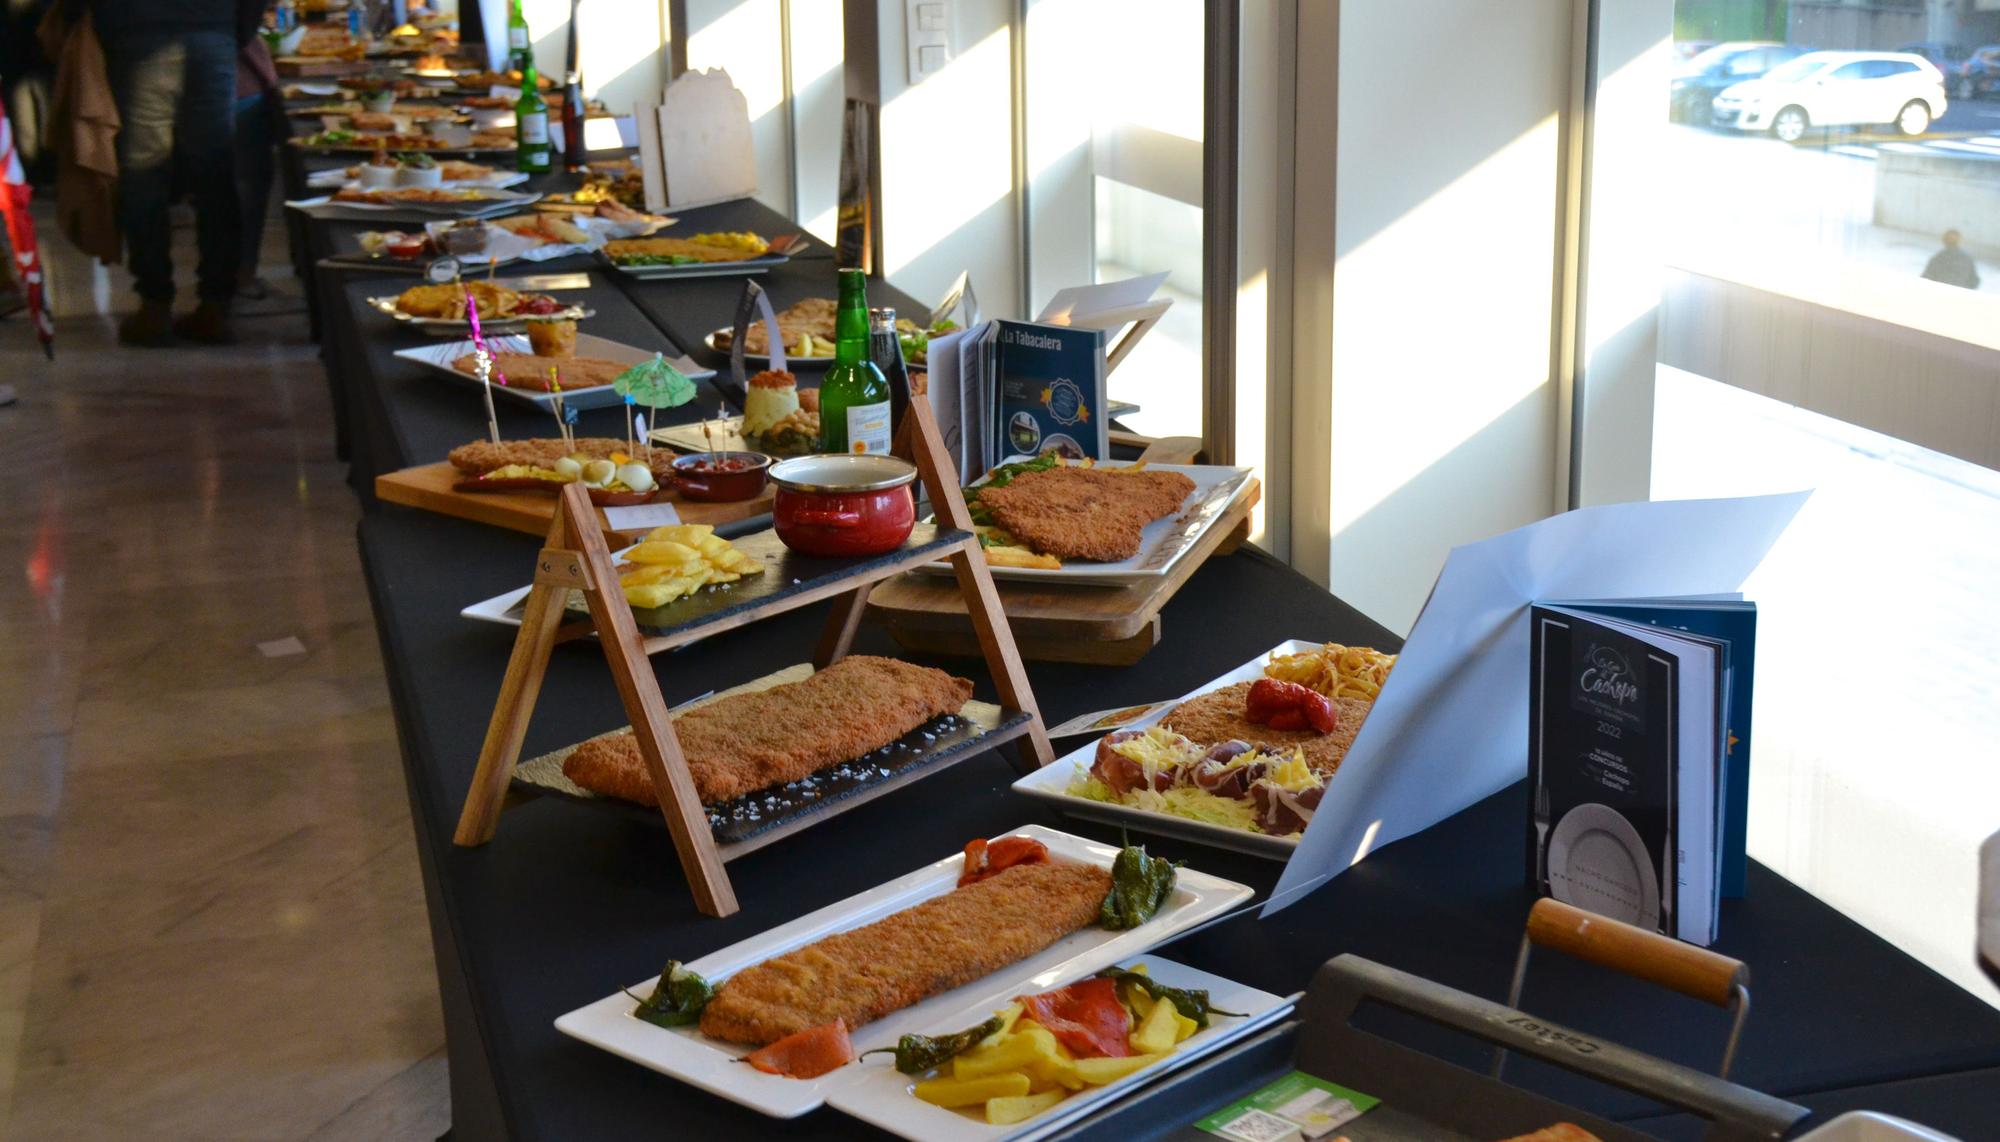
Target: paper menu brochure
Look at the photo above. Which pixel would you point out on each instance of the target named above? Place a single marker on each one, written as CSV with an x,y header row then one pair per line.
x,y
1624,757
1732,619
1451,726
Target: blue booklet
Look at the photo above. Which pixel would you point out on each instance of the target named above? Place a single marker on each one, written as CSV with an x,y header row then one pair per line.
x,y
1050,388
1732,620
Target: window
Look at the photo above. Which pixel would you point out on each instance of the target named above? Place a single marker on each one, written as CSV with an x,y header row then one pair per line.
x,y
1115,179
1831,319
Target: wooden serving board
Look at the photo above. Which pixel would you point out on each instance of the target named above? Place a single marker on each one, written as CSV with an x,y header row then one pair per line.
x,y
429,486
1055,622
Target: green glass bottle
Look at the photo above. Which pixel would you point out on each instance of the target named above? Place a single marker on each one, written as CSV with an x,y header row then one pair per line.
x,y
854,398
518,55
531,123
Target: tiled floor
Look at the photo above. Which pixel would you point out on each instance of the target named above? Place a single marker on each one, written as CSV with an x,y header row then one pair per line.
x,y
211,923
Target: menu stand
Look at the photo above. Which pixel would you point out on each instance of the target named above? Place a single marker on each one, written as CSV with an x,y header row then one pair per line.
x,y
576,557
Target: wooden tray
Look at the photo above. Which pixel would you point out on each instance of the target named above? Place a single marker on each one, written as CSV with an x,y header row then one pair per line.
x,y
429,486
1056,622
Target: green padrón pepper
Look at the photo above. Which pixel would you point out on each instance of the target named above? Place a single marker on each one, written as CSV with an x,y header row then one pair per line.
x,y
916,1054
1189,1001
677,999
1139,885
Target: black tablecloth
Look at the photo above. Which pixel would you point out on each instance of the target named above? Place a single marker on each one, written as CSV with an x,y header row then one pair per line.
x,y
568,903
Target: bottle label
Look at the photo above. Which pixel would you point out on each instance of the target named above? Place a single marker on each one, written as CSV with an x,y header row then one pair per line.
x,y
868,428
517,38
534,129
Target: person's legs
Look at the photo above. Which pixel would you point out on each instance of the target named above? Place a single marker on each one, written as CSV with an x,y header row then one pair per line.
x,y
146,79
256,170
205,135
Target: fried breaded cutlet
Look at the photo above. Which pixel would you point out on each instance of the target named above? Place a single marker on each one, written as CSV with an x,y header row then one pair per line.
x,y
483,456
752,741
527,371
945,942
1085,513
1217,716
700,252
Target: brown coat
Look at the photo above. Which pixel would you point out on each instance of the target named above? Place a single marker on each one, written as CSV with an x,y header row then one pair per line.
x,y
83,129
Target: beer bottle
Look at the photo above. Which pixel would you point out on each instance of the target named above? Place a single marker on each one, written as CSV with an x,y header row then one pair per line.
x,y
885,348
531,123
854,398
519,57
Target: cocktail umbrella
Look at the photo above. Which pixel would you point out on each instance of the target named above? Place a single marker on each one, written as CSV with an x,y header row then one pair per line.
x,y
14,196
656,385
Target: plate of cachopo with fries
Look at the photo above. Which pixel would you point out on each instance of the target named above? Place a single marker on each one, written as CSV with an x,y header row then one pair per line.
x,y
1105,522
1241,762
990,994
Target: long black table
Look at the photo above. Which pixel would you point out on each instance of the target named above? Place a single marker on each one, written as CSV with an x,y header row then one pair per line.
x,y
569,902
392,413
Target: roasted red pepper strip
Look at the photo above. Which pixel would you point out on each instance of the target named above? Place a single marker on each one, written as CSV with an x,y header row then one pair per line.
x,y
1087,1017
984,858
806,1054
975,861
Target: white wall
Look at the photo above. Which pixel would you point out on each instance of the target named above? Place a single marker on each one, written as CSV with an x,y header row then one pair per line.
x,y
1426,243
1617,340
819,100
948,202
624,57
746,38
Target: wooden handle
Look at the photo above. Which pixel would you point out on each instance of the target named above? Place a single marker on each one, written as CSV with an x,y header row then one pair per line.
x,y
1692,971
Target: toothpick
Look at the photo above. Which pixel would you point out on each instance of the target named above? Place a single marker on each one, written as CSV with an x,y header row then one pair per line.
x,y
629,449
483,367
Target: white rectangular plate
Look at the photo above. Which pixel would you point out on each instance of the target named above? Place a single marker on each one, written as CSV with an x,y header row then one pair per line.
x,y
496,202
881,1096
712,1065
505,608
1161,544
333,178
1050,782
440,356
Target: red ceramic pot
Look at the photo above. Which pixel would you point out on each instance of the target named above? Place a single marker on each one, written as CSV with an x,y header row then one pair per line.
x,y
844,505
721,477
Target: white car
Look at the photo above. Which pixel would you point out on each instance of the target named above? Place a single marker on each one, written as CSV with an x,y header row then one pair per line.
x,y
1836,89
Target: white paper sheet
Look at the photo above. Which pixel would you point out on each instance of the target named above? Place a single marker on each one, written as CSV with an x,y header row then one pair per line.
x,y
641,515
1451,727
1073,305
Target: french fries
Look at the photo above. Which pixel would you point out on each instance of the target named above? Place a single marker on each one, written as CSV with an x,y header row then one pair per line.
x,y
1021,1069
678,560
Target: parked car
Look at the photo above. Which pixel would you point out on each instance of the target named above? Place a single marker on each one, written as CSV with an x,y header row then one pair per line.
x,y
1685,50
1697,82
1979,75
1944,57
1836,89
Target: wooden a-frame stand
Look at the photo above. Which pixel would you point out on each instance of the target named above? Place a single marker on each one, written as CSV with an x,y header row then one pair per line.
x,y
576,557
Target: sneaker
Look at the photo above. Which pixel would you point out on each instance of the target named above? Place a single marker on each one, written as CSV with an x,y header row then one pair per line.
x,y
152,327
253,289
207,323
6,395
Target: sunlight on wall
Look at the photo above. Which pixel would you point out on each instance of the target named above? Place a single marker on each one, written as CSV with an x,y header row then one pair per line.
x,y
1066,67
1625,269
619,53
930,189
1454,295
748,41
819,95
817,44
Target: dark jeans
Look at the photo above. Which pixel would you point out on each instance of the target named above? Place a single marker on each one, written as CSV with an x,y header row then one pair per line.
x,y
176,93
256,170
